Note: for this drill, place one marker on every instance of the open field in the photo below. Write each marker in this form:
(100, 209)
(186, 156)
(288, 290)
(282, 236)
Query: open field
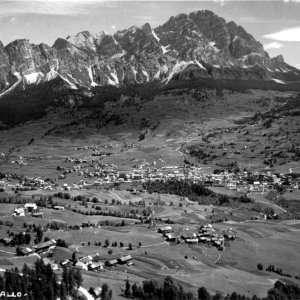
(237, 264)
(172, 135)
(160, 137)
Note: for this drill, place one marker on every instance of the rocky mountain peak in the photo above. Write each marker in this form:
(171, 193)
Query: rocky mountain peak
(278, 59)
(61, 43)
(147, 28)
(199, 44)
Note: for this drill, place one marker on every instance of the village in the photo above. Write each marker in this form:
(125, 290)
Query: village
(107, 175)
(206, 234)
(95, 262)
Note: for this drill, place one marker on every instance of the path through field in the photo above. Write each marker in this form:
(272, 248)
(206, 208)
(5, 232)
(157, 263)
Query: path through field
(7, 252)
(162, 243)
(271, 205)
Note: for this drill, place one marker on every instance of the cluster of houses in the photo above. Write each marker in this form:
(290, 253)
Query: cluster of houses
(248, 181)
(29, 208)
(100, 173)
(88, 262)
(38, 249)
(206, 234)
(93, 263)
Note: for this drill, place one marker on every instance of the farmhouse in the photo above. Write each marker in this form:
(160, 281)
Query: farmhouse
(57, 207)
(26, 251)
(80, 265)
(42, 247)
(167, 229)
(37, 213)
(125, 259)
(30, 207)
(111, 263)
(7, 241)
(86, 259)
(65, 262)
(192, 241)
(96, 266)
(19, 212)
(170, 237)
(186, 236)
(98, 291)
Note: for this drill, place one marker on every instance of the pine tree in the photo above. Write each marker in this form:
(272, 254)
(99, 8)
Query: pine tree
(63, 291)
(78, 278)
(127, 292)
(71, 280)
(74, 257)
(106, 293)
(39, 234)
(65, 280)
(203, 294)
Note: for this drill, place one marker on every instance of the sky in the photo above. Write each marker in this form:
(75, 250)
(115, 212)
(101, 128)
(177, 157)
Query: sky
(276, 24)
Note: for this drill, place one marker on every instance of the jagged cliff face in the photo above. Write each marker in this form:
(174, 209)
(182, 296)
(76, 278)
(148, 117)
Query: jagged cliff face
(200, 44)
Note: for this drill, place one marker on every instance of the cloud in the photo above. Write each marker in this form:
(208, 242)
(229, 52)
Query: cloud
(273, 45)
(10, 8)
(287, 1)
(113, 27)
(221, 2)
(143, 18)
(297, 66)
(287, 35)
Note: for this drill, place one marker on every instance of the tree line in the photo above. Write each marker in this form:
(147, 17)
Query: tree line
(41, 283)
(194, 191)
(170, 289)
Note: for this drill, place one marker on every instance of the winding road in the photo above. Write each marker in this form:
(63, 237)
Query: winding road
(183, 144)
(265, 202)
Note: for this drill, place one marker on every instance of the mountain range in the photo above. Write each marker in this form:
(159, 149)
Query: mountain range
(187, 46)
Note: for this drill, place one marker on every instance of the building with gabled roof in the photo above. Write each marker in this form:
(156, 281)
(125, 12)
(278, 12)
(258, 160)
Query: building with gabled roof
(44, 246)
(166, 229)
(125, 259)
(26, 251)
(96, 266)
(111, 262)
(80, 265)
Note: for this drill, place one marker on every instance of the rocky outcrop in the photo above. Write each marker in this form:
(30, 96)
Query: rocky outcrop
(4, 68)
(187, 46)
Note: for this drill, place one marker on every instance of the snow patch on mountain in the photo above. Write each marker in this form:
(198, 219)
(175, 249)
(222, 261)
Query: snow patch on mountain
(71, 85)
(115, 77)
(199, 65)
(33, 78)
(155, 35)
(157, 75)
(146, 74)
(51, 75)
(164, 49)
(179, 66)
(17, 74)
(90, 71)
(278, 81)
(134, 71)
(212, 45)
(109, 81)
